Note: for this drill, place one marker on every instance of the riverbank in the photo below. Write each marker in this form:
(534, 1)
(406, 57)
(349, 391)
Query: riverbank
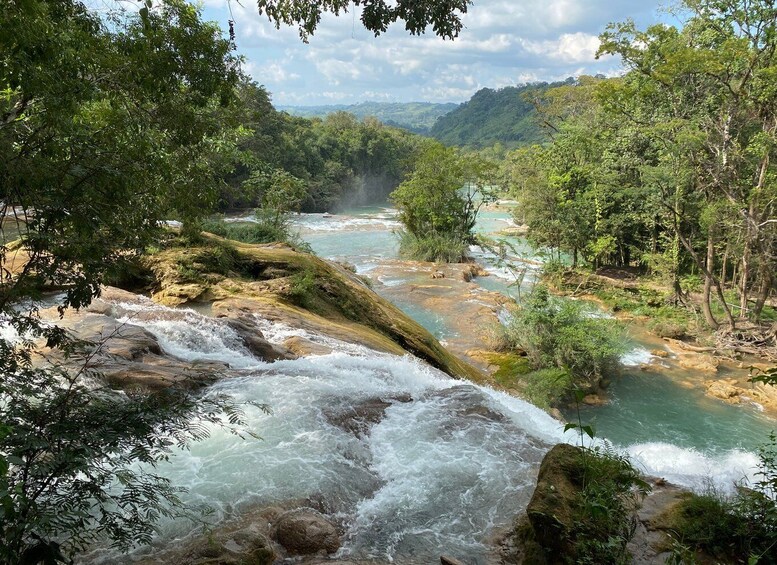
(722, 366)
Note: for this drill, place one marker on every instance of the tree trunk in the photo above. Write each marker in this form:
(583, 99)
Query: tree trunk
(744, 274)
(767, 282)
(706, 306)
(707, 274)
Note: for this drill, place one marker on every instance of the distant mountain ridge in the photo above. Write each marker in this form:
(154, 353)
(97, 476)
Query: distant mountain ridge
(491, 116)
(418, 117)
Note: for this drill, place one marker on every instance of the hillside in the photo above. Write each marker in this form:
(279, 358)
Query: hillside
(417, 117)
(504, 115)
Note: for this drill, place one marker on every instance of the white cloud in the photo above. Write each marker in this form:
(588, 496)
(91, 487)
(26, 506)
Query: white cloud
(569, 47)
(504, 42)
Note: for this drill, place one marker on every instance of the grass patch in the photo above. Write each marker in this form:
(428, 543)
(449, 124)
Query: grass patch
(433, 248)
(256, 232)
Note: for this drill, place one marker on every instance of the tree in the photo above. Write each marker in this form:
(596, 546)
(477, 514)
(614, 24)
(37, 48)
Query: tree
(439, 201)
(443, 15)
(708, 93)
(107, 127)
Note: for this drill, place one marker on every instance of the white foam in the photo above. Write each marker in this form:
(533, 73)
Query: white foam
(331, 222)
(189, 336)
(693, 469)
(637, 357)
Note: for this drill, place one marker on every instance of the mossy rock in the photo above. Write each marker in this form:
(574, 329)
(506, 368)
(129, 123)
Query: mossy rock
(553, 505)
(278, 282)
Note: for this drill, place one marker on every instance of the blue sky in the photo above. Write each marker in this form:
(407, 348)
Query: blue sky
(504, 42)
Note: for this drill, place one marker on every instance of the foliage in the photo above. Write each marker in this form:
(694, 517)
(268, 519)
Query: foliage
(301, 285)
(505, 116)
(438, 248)
(742, 529)
(78, 458)
(439, 201)
(444, 16)
(109, 126)
(415, 117)
(670, 168)
(604, 522)
(88, 141)
(560, 334)
(544, 387)
(340, 160)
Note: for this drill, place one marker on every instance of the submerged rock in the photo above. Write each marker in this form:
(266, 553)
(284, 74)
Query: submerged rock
(360, 417)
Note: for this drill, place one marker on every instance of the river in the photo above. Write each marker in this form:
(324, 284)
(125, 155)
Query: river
(449, 464)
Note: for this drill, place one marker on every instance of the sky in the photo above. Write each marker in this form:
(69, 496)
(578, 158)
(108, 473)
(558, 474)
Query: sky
(503, 43)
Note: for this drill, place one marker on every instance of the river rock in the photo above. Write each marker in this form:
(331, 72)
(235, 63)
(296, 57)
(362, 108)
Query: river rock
(724, 390)
(698, 362)
(254, 340)
(305, 531)
(552, 506)
(594, 400)
(234, 548)
(360, 417)
(305, 347)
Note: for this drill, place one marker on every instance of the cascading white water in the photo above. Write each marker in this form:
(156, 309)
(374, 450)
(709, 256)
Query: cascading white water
(446, 465)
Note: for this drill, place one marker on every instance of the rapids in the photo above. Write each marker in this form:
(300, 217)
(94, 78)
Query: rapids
(446, 465)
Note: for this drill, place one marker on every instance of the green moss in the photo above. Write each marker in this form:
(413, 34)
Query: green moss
(304, 286)
(510, 367)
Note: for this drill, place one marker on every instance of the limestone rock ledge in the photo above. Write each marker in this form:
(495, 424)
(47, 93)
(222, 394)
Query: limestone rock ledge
(280, 284)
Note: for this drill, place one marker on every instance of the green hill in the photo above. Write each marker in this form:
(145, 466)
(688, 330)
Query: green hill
(504, 115)
(418, 117)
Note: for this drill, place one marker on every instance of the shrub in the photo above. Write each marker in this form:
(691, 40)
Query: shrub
(562, 334)
(604, 521)
(262, 230)
(741, 528)
(545, 386)
(433, 248)
(301, 286)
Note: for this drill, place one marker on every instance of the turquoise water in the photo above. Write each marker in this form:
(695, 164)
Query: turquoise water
(361, 248)
(645, 407)
(650, 407)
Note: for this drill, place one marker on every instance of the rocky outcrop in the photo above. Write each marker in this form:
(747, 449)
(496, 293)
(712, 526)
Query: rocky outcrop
(551, 511)
(281, 284)
(127, 356)
(305, 531)
(304, 347)
(689, 357)
(732, 391)
(546, 533)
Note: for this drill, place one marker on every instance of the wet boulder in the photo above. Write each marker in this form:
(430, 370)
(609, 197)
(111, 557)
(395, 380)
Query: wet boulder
(305, 532)
(552, 507)
(254, 340)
